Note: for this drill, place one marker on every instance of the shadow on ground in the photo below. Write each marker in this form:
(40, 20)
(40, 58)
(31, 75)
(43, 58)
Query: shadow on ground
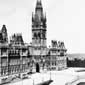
(46, 82)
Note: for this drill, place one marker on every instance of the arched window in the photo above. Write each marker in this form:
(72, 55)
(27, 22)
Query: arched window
(35, 35)
(43, 34)
(39, 36)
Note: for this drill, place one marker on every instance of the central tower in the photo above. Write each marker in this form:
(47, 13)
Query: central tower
(39, 30)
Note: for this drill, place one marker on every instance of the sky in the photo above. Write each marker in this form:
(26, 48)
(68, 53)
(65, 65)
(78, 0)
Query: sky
(65, 21)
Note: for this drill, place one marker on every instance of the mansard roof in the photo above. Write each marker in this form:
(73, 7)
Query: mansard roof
(57, 45)
(17, 39)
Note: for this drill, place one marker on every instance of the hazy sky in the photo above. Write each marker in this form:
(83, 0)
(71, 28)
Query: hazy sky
(65, 20)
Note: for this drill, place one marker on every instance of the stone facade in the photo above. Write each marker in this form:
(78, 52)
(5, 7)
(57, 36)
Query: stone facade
(16, 57)
(54, 57)
(39, 45)
(57, 56)
(3, 51)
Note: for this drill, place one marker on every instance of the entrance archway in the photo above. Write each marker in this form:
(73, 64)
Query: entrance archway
(37, 67)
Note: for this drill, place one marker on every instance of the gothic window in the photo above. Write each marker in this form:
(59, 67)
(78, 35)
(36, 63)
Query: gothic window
(62, 54)
(44, 23)
(58, 50)
(39, 35)
(43, 34)
(55, 63)
(39, 41)
(35, 35)
(52, 63)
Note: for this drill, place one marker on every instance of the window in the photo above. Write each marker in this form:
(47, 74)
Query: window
(35, 35)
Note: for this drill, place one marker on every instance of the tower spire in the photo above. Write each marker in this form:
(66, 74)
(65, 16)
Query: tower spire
(39, 30)
(39, 5)
(38, 18)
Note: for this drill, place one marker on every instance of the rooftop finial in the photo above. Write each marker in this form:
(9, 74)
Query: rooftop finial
(4, 28)
(39, 4)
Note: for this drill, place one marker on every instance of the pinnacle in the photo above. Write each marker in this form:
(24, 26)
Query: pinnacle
(39, 3)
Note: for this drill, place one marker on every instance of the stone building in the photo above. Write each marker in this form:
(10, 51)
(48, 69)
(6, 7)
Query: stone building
(14, 55)
(43, 57)
(39, 40)
(3, 51)
(17, 57)
(57, 56)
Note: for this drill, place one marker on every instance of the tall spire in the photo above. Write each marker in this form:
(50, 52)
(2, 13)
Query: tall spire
(39, 26)
(39, 18)
(39, 5)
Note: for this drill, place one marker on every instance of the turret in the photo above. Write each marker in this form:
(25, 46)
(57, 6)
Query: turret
(4, 34)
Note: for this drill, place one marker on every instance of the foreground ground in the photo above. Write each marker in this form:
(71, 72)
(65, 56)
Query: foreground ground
(70, 76)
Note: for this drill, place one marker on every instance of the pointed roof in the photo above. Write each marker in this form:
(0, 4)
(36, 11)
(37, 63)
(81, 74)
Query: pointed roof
(4, 28)
(38, 4)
